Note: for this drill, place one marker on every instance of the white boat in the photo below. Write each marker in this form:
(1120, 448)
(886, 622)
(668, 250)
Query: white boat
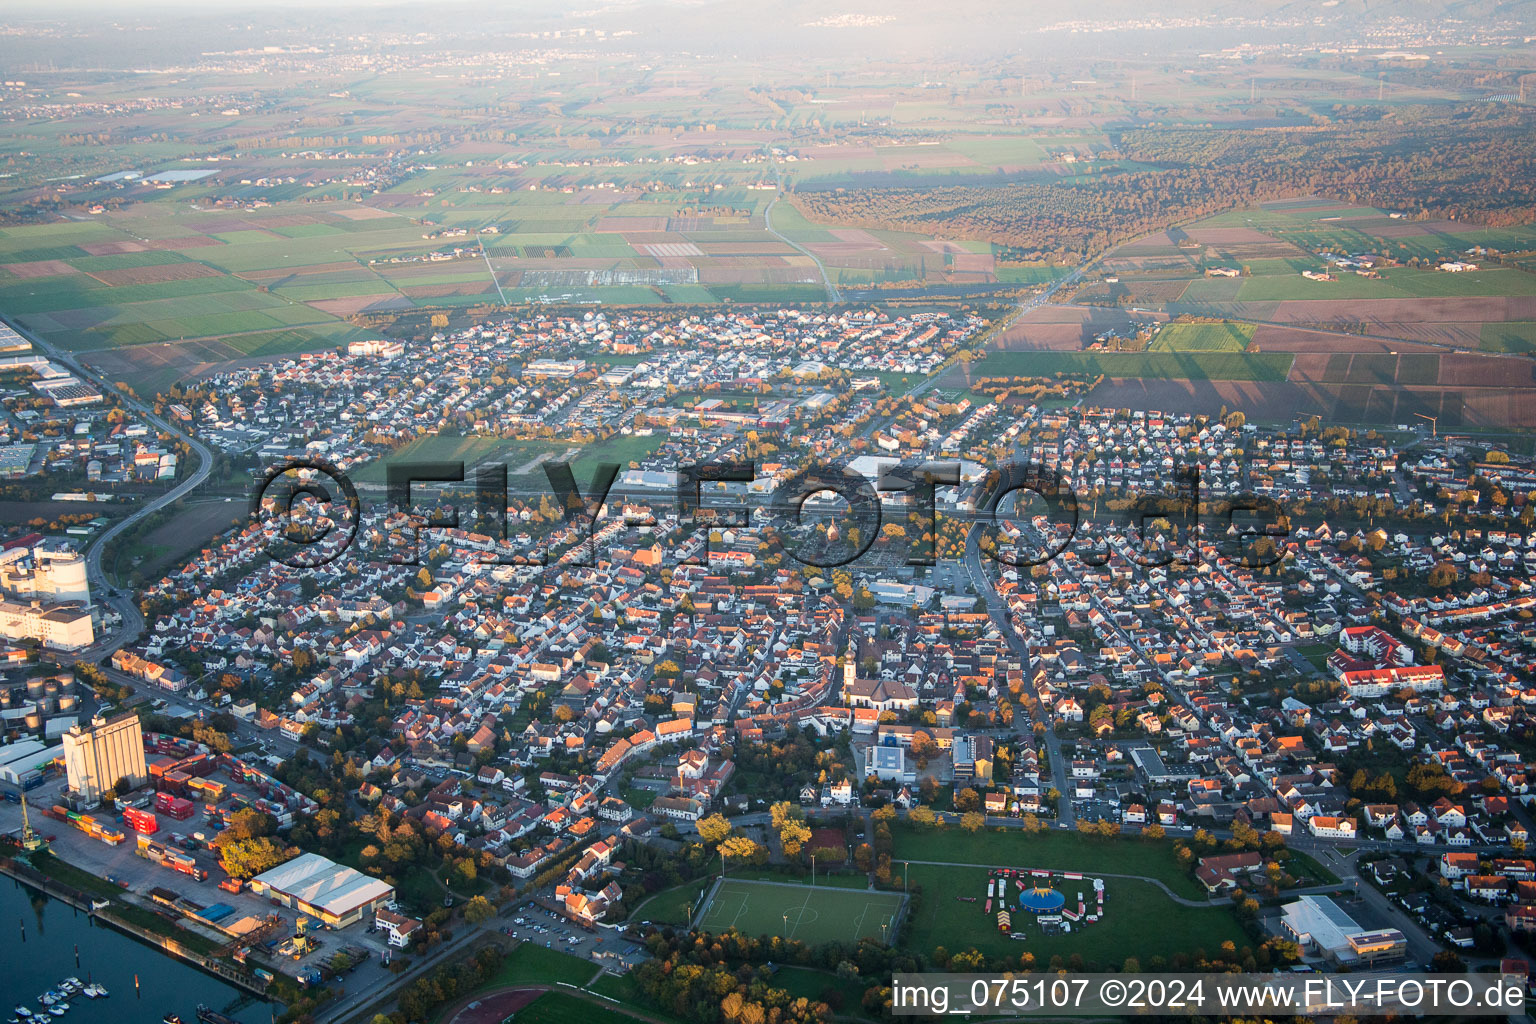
(22, 1011)
(96, 991)
(58, 1011)
(72, 981)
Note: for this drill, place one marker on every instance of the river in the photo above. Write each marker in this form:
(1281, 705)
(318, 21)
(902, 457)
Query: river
(38, 939)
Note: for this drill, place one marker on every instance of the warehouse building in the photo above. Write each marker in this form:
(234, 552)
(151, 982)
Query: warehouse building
(22, 763)
(1322, 928)
(325, 890)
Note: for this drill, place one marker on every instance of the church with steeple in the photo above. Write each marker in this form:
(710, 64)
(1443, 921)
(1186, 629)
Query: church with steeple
(879, 693)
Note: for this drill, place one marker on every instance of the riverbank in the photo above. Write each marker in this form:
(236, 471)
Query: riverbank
(55, 939)
(81, 902)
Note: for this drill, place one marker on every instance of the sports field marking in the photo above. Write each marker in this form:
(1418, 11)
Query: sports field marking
(823, 914)
(800, 913)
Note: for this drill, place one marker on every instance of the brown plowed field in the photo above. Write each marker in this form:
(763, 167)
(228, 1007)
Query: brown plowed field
(1455, 309)
(40, 268)
(357, 303)
(154, 274)
(189, 242)
(1486, 371)
(1299, 339)
(113, 248)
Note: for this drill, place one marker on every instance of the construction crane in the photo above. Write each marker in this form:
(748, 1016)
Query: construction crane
(31, 841)
(1434, 424)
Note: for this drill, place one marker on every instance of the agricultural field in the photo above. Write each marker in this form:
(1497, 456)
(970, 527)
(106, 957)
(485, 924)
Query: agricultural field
(1197, 365)
(209, 286)
(1384, 347)
(1516, 338)
(1222, 337)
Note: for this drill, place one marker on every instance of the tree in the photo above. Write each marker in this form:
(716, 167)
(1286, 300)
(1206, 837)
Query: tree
(246, 858)
(248, 823)
(972, 821)
(1153, 831)
(793, 835)
(479, 910)
(923, 817)
(1446, 962)
(967, 799)
(781, 811)
(739, 848)
(714, 829)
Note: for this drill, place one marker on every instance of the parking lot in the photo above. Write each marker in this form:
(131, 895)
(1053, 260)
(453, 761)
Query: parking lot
(544, 927)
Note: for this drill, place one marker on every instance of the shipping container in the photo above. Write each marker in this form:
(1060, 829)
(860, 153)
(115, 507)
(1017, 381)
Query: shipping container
(174, 806)
(141, 821)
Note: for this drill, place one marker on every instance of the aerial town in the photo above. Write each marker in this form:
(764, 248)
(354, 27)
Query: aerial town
(550, 701)
(768, 516)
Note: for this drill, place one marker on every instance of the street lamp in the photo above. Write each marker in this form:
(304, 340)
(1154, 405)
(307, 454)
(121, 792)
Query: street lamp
(786, 926)
(905, 866)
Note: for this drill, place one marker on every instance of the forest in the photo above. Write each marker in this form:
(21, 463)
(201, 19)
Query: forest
(1472, 162)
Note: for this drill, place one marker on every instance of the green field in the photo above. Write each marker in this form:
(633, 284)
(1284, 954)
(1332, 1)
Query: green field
(809, 914)
(1062, 850)
(1222, 337)
(1157, 365)
(1394, 283)
(670, 906)
(1139, 920)
(1516, 338)
(530, 964)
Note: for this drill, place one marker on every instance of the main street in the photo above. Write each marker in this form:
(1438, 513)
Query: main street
(998, 611)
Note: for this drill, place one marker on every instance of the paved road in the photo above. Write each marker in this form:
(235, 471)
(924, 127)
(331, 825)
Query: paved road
(132, 622)
(833, 295)
(1065, 812)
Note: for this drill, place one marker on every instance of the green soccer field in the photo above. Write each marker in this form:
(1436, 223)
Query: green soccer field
(810, 914)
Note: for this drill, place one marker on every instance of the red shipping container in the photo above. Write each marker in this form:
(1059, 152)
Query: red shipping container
(141, 821)
(174, 806)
